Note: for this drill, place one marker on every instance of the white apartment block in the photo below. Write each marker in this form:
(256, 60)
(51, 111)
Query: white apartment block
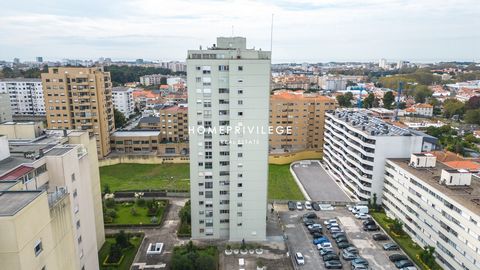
(228, 86)
(438, 206)
(52, 187)
(123, 100)
(152, 79)
(26, 95)
(357, 144)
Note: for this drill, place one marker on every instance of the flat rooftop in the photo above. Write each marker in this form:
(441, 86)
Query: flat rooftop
(136, 133)
(11, 202)
(362, 120)
(6, 185)
(468, 197)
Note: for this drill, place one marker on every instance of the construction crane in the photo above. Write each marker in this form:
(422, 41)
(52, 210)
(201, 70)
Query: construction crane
(399, 93)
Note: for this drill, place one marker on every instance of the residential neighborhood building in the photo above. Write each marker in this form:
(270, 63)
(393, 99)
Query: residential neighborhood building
(5, 108)
(51, 215)
(228, 86)
(304, 114)
(438, 206)
(26, 95)
(420, 109)
(152, 79)
(81, 99)
(357, 145)
(123, 100)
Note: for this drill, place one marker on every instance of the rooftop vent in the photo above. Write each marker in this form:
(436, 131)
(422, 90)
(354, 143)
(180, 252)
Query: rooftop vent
(456, 177)
(423, 160)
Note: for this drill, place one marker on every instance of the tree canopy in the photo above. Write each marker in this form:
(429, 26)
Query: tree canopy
(388, 100)
(345, 100)
(119, 117)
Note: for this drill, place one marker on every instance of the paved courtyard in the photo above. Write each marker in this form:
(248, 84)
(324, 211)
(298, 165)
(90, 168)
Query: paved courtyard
(318, 184)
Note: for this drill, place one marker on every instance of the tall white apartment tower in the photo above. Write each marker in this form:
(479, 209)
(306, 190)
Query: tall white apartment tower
(228, 87)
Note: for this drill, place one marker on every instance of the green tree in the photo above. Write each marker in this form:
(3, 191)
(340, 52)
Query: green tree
(115, 253)
(473, 116)
(121, 239)
(397, 226)
(421, 93)
(204, 262)
(473, 103)
(388, 99)
(368, 101)
(345, 100)
(119, 117)
(427, 256)
(106, 189)
(453, 107)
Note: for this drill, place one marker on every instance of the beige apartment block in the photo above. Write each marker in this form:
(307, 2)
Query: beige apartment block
(80, 99)
(52, 182)
(305, 114)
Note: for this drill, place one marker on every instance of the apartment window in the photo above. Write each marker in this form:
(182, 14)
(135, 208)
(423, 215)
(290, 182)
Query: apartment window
(240, 175)
(208, 165)
(240, 185)
(200, 164)
(198, 79)
(208, 184)
(79, 240)
(223, 68)
(239, 195)
(78, 224)
(240, 113)
(223, 192)
(240, 68)
(75, 193)
(239, 204)
(198, 68)
(208, 155)
(38, 247)
(208, 145)
(73, 177)
(239, 214)
(240, 102)
(240, 155)
(239, 224)
(208, 194)
(223, 90)
(240, 92)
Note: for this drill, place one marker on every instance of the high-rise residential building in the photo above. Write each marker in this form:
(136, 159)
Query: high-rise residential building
(382, 63)
(439, 206)
(39, 59)
(26, 95)
(5, 108)
(123, 100)
(81, 99)
(305, 114)
(357, 145)
(51, 215)
(228, 87)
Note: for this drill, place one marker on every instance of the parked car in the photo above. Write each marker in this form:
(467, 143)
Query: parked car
(335, 230)
(371, 228)
(330, 225)
(317, 234)
(343, 245)
(390, 246)
(326, 251)
(291, 205)
(308, 205)
(360, 209)
(310, 215)
(330, 257)
(315, 206)
(348, 256)
(320, 240)
(397, 257)
(308, 221)
(359, 261)
(403, 264)
(409, 268)
(369, 222)
(379, 237)
(360, 267)
(339, 234)
(314, 226)
(335, 264)
(362, 216)
(299, 258)
(341, 239)
(326, 222)
(352, 249)
(299, 206)
(326, 245)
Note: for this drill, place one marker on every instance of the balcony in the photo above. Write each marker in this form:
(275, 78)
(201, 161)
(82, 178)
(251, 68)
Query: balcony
(57, 195)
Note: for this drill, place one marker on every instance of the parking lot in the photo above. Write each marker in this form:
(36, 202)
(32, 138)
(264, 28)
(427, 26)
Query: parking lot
(318, 184)
(300, 240)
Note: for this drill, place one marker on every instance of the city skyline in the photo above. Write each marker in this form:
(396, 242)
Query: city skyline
(305, 31)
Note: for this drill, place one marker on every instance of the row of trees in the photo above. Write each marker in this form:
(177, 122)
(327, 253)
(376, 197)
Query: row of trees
(469, 111)
(370, 101)
(191, 257)
(28, 73)
(124, 74)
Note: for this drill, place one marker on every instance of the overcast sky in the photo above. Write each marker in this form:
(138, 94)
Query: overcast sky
(311, 31)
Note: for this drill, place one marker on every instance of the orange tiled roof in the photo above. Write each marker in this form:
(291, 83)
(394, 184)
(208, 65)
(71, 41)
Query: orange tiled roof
(298, 95)
(463, 164)
(423, 105)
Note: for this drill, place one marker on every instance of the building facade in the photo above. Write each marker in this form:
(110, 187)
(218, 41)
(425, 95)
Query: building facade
(123, 100)
(228, 86)
(356, 146)
(305, 114)
(5, 108)
(52, 182)
(26, 95)
(439, 207)
(81, 99)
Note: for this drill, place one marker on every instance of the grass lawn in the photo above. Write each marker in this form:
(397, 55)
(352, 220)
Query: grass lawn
(129, 254)
(281, 185)
(405, 242)
(123, 177)
(124, 213)
(129, 176)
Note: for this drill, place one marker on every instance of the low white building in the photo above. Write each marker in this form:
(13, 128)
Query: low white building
(420, 109)
(439, 207)
(123, 100)
(356, 146)
(26, 95)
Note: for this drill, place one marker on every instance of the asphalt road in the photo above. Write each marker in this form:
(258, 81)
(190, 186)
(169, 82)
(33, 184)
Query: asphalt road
(318, 184)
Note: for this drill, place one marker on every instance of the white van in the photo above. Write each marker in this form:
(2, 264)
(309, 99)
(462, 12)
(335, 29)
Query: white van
(360, 209)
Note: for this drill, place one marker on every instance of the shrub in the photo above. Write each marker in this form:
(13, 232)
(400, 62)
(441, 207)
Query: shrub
(115, 253)
(109, 203)
(111, 213)
(140, 202)
(154, 220)
(121, 239)
(133, 211)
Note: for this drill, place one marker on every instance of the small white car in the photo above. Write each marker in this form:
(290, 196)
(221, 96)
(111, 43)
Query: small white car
(314, 226)
(299, 206)
(326, 222)
(324, 245)
(362, 216)
(308, 205)
(299, 258)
